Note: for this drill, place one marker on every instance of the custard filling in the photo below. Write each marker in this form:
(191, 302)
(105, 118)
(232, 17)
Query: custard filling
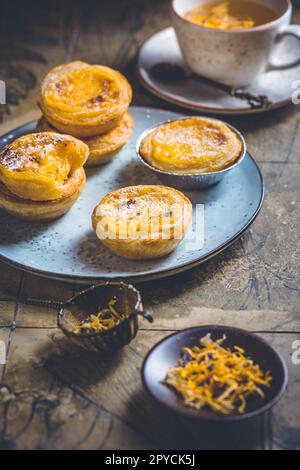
(85, 91)
(195, 145)
(40, 166)
(143, 213)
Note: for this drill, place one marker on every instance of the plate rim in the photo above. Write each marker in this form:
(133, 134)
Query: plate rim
(143, 277)
(192, 414)
(187, 105)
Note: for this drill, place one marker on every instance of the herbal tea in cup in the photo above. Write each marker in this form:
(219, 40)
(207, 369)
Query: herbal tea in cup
(232, 14)
(231, 41)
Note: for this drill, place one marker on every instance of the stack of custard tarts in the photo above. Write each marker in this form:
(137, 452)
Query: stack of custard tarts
(89, 102)
(85, 122)
(41, 175)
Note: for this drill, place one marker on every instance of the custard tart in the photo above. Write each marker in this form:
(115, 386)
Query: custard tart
(142, 222)
(104, 146)
(191, 145)
(84, 100)
(41, 175)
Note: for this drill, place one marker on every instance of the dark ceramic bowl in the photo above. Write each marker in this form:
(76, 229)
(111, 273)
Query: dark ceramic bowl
(93, 299)
(166, 353)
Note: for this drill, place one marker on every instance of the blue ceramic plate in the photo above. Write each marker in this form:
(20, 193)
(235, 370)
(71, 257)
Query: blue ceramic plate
(68, 249)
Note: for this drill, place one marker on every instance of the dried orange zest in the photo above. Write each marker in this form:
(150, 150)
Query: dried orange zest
(214, 377)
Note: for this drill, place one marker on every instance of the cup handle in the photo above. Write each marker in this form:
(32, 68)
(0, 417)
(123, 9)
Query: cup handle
(290, 30)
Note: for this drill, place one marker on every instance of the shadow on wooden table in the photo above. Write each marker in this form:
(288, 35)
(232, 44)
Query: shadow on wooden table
(111, 385)
(189, 435)
(113, 382)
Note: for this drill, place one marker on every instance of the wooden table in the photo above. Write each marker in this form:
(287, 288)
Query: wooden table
(53, 396)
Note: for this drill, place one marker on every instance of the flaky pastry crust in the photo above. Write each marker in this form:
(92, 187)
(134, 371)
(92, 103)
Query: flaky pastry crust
(41, 175)
(42, 211)
(40, 166)
(84, 100)
(142, 222)
(104, 146)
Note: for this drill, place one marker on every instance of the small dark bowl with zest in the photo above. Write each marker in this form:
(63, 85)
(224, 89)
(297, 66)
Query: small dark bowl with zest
(166, 353)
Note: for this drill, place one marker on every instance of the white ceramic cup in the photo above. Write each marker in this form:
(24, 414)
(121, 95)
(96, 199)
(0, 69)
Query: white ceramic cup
(232, 57)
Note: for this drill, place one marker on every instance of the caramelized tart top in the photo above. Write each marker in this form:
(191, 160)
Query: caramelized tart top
(193, 145)
(142, 212)
(83, 94)
(40, 166)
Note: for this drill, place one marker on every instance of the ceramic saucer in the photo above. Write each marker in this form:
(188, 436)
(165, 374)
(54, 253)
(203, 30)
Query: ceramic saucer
(161, 70)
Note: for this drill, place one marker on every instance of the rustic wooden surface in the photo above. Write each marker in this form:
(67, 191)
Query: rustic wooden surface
(53, 396)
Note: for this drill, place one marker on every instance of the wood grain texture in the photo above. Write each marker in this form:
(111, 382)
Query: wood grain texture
(52, 396)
